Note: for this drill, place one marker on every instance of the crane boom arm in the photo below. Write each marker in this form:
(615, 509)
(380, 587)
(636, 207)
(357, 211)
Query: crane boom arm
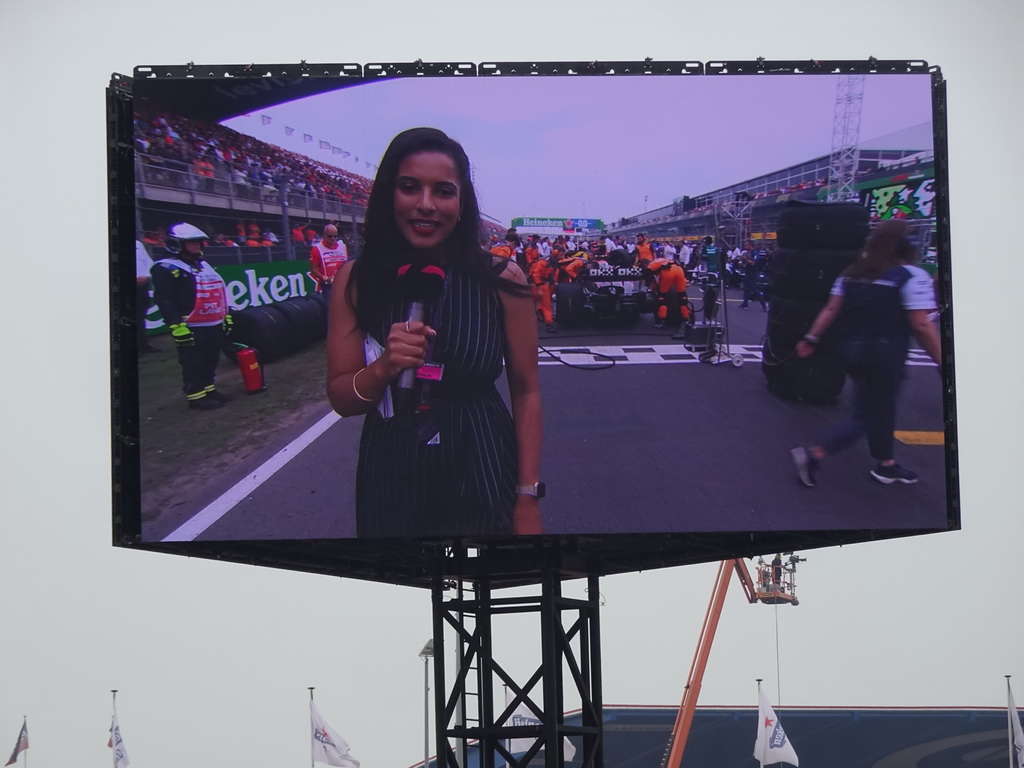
(744, 576)
(688, 706)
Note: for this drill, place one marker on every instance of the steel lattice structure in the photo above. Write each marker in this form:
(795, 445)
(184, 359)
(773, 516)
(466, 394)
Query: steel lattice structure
(845, 138)
(470, 730)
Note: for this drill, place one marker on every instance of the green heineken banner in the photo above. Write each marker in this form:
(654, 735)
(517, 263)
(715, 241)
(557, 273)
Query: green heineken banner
(253, 285)
(566, 225)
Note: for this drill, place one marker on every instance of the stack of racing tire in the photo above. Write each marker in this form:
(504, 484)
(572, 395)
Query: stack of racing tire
(279, 329)
(816, 242)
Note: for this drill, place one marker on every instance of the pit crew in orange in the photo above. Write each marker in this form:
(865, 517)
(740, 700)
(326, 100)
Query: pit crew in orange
(644, 251)
(541, 275)
(667, 276)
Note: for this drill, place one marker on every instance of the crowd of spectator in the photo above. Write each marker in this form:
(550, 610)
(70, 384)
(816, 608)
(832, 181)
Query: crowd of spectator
(249, 234)
(210, 152)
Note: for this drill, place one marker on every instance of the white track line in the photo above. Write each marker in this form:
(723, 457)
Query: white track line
(214, 511)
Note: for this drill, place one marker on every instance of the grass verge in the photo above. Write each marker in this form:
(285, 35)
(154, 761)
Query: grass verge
(183, 450)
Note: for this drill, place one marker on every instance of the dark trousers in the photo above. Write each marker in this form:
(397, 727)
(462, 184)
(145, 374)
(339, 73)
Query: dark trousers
(751, 290)
(199, 362)
(877, 368)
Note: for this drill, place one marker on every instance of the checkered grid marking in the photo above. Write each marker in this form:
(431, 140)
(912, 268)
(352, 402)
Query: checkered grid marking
(665, 353)
(638, 355)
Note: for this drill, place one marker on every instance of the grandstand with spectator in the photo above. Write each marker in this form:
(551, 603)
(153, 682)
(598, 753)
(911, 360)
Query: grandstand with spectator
(227, 177)
(895, 178)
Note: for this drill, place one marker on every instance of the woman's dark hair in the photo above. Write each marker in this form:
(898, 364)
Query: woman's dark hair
(385, 249)
(888, 246)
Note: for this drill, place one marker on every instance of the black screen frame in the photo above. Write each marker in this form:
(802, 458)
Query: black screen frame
(513, 561)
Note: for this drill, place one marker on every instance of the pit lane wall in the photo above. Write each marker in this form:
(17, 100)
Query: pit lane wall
(251, 285)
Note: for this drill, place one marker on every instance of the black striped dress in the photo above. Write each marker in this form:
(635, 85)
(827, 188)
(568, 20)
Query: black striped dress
(465, 483)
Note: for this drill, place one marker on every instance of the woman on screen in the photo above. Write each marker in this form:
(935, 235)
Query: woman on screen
(876, 305)
(417, 335)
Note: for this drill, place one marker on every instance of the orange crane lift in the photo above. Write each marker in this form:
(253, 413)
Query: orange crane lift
(775, 584)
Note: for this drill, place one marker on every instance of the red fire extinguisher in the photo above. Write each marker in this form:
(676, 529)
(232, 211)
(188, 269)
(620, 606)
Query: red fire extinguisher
(251, 370)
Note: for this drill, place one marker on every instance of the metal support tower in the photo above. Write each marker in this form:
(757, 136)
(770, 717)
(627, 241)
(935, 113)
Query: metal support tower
(474, 728)
(845, 138)
(734, 222)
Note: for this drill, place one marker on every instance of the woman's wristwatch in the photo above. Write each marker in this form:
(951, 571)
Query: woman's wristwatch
(537, 490)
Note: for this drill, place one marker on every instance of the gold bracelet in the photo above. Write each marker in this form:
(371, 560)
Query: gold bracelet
(364, 399)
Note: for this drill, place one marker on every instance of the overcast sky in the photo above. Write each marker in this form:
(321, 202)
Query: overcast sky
(212, 659)
(593, 147)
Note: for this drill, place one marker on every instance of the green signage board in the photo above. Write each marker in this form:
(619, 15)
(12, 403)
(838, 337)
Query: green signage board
(566, 225)
(253, 285)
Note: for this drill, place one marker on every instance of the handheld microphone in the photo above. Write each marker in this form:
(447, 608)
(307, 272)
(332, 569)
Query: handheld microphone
(420, 285)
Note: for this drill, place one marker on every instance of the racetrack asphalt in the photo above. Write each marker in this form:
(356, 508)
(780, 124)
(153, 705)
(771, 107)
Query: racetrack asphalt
(651, 441)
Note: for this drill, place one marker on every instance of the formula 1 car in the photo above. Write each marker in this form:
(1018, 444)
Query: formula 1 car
(604, 294)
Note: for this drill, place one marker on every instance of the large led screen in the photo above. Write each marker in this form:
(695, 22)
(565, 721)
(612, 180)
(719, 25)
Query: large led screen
(693, 222)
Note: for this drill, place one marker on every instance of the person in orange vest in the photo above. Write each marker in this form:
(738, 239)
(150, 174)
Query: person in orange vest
(192, 299)
(668, 275)
(508, 250)
(541, 275)
(532, 251)
(204, 170)
(325, 258)
(644, 251)
(569, 265)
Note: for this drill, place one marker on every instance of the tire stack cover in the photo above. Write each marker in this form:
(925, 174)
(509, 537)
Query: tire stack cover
(265, 329)
(816, 242)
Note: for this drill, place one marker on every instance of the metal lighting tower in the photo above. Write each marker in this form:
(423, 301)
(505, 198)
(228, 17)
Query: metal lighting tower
(845, 138)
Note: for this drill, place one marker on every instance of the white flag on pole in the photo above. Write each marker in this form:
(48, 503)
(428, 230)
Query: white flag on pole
(116, 743)
(328, 746)
(771, 745)
(523, 715)
(1015, 730)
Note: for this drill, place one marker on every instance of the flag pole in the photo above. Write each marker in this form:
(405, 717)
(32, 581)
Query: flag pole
(24, 724)
(113, 706)
(760, 757)
(1009, 723)
(311, 741)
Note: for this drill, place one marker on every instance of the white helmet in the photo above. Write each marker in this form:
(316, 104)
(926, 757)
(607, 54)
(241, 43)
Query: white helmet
(181, 233)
